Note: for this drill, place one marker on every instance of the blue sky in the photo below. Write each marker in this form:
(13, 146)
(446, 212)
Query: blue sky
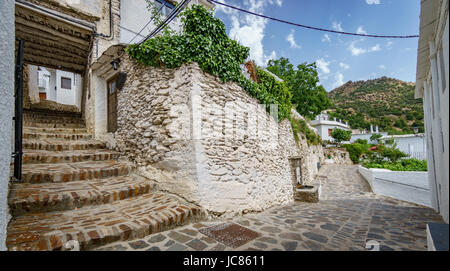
(340, 58)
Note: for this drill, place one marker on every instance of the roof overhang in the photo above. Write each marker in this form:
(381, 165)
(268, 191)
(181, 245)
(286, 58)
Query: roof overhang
(429, 19)
(52, 39)
(102, 66)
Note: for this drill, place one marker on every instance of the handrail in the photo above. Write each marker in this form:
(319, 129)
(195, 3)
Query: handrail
(18, 116)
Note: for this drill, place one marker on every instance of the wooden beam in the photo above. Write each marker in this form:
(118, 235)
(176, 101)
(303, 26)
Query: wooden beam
(40, 41)
(53, 63)
(41, 29)
(50, 49)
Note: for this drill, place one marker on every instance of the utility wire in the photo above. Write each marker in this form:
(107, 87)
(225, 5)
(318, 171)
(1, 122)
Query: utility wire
(138, 34)
(312, 27)
(168, 20)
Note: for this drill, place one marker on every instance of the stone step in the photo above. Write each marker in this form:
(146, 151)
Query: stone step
(71, 136)
(53, 125)
(61, 145)
(27, 129)
(40, 156)
(71, 172)
(53, 119)
(49, 197)
(95, 226)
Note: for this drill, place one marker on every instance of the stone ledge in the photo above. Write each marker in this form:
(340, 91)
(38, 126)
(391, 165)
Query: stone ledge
(309, 194)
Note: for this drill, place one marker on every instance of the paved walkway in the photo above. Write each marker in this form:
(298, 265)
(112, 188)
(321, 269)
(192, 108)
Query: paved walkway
(348, 217)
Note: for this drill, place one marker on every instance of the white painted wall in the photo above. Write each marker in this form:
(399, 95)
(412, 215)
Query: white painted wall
(366, 136)
(436, 109)
(407, 186)
(6, 108)
(99, 88)
(414, 145)
(134, 15)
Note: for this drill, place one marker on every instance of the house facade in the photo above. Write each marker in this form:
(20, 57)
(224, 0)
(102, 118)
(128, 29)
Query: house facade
(432, 84)
(413, 145)
(325, 126)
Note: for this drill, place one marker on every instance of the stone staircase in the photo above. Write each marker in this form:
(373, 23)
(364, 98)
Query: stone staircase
(74, 188)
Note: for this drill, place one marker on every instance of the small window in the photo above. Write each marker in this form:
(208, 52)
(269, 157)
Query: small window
(330, 131)
(66, 83)
(164, 7)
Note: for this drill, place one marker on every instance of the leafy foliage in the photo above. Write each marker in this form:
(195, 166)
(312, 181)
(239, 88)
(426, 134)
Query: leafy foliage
(309, 98)
(300, 126)
(386, 102)
(205, 42)
(340, 135)
(375, 137)
(403, 165)
(356, 150)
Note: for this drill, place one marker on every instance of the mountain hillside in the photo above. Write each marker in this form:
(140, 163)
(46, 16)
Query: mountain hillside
(386, 102)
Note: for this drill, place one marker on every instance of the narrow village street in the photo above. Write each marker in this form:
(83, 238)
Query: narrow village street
(348, 217)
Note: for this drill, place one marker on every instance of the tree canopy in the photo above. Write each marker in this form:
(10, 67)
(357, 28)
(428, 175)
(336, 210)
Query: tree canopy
(308, 97)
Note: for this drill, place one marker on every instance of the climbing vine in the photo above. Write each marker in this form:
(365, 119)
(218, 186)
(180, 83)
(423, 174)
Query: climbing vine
(205, 42)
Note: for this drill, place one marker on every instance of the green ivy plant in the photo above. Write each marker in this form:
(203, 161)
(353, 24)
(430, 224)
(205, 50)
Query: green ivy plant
(204, 41)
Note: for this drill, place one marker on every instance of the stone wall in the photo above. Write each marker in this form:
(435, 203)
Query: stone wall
(207, 141)
(339, 156)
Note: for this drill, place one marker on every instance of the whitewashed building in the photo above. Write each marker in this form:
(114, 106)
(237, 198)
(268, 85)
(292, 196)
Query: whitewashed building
(325, 126)
(55, 85)
(432, 84)
(365, 135)
(413, 145)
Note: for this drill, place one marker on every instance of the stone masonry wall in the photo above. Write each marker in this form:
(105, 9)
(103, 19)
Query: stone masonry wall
(207, 141)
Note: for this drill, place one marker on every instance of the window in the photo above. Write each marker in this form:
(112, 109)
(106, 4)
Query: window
(164, 7)
(66, 83)
(330, 131)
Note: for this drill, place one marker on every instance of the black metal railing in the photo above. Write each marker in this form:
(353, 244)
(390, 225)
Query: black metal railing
(18, 117)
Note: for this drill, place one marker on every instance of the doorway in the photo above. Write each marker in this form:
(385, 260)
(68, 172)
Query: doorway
(112, 105)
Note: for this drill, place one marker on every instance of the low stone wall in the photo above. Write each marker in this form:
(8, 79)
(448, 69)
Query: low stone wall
(403, 185)
(338, 156)
(208, 141)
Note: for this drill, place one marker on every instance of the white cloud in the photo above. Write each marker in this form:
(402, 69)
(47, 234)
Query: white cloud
(323, 65)
(356, 51)
(290, 38)
(250, 30)
(326, 38)
(373, 2)
(337, 26)
(344, 66)
(225, 9)
(339, 77)
(360, 30)
(382, 67)
(277, 2)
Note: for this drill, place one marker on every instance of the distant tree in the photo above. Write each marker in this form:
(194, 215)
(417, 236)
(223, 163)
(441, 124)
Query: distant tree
(375, 137)
(308, 97)
(340, 135)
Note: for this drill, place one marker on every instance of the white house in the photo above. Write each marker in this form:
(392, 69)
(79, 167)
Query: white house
(325, 126)
(413, 145)
(432, 84)
(55, 85)
(364, 135)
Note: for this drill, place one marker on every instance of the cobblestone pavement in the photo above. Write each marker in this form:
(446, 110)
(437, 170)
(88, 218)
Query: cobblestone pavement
(348, 217)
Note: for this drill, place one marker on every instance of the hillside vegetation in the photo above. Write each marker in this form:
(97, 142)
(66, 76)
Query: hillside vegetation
(386, 102)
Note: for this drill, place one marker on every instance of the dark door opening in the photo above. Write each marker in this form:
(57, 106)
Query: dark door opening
(112, 106)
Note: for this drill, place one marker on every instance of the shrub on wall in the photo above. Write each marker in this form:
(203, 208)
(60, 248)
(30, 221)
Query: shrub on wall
(205, 42)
